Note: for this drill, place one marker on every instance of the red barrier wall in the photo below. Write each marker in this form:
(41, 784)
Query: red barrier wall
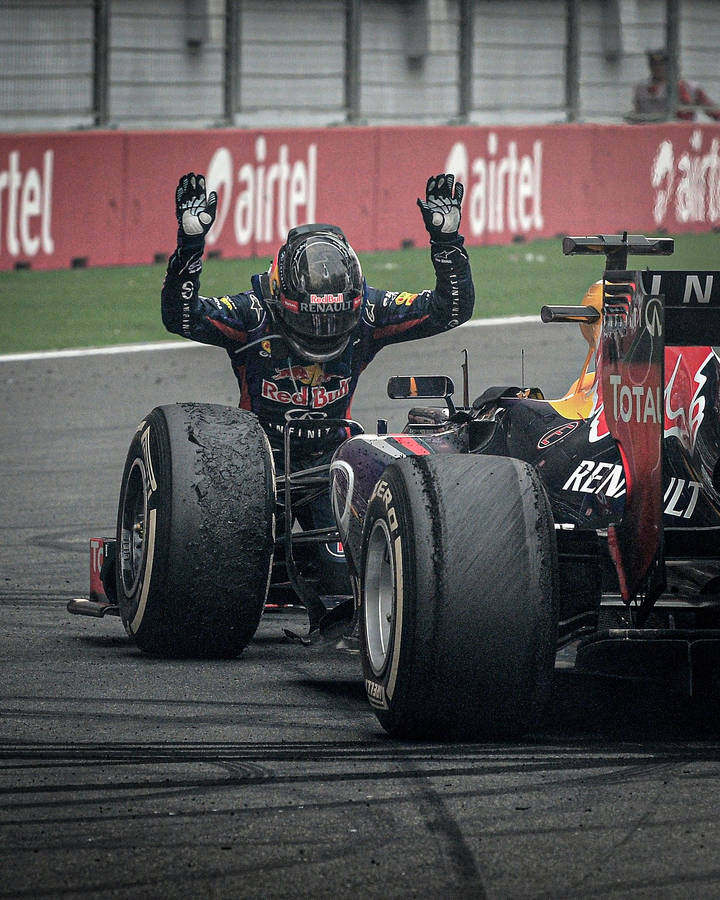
(108, 197)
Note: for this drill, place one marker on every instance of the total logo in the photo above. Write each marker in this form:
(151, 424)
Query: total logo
(638, 403)
(684, 402)
(608, 480)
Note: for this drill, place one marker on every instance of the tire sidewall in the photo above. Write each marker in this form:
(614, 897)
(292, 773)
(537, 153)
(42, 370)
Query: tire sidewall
(147, 458)
(469, 654)
(206, 474)
(388, 503)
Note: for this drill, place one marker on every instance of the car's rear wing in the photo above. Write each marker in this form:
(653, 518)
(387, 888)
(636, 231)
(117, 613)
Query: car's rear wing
(642, 312)
(617, 247)
(691, 299)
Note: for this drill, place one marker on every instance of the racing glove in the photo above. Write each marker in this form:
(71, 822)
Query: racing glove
(194, 210)
(441, 209)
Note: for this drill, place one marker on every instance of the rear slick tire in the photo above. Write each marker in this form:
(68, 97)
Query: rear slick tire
(195, 531)
(458, 608)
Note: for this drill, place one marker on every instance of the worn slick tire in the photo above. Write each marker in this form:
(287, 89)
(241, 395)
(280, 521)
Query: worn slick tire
(458, 607)
(195, 530)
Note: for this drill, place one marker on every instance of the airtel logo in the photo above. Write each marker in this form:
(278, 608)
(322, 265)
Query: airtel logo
(26, 200)
(503, 186)
(687, 180)
(265, 196)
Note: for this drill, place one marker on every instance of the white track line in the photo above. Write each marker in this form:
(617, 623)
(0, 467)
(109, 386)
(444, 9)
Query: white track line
(182, 345)
(100, 351)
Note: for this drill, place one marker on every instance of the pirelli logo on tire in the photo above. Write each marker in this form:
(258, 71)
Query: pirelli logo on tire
(382, 492)
(376, 694)
(147, 456)
(380, 682)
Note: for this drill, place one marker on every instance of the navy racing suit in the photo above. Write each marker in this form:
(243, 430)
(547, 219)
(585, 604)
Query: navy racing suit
(273, 378)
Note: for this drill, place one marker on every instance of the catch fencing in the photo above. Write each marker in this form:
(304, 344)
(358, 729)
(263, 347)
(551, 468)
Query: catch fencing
(68, 64)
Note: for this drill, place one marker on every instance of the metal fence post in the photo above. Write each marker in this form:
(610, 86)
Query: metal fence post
(231, 74)
(101, 51)
(572, 60)
(352, 60)
(672, 45)
(466, 32)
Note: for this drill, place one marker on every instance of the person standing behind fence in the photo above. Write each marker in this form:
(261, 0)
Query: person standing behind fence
(650, 98)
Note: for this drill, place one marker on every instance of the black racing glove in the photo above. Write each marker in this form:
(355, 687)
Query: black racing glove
(194, 210)
(440, 209)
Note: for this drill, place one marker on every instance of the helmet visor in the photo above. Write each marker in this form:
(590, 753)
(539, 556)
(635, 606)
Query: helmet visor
(322, 315)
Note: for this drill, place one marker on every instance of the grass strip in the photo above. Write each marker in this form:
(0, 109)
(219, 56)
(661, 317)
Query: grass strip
(97, 307)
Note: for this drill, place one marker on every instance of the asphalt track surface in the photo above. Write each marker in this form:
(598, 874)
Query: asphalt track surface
(269, 776)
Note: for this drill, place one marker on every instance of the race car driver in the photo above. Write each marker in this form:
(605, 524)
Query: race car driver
(299, 339)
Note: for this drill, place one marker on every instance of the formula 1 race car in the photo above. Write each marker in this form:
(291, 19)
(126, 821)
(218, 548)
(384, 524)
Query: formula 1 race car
(481, 539)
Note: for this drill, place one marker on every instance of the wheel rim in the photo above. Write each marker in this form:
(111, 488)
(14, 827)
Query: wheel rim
(379, 596)
(132, 528)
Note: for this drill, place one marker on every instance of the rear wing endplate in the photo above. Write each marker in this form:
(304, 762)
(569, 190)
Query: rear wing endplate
(644, 311)
(632, 378)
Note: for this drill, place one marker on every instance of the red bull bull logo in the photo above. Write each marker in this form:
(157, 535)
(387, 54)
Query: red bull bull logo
(312, 374)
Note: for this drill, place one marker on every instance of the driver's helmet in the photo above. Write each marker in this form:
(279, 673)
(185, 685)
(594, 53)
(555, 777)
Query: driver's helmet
(316, 291)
